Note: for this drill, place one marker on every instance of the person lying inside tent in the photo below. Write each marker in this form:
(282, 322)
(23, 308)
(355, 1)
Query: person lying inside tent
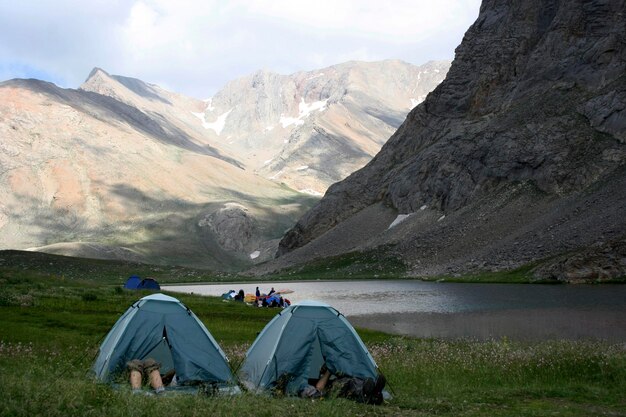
(151, 369)
(317, 391)
(363, 390)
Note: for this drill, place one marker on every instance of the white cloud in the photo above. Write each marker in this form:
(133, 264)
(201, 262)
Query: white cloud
(398, 21)
(196, 46)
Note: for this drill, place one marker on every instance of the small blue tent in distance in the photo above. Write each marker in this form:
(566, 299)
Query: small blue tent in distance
(149, 284)
(161, 327)
(132, 282)
(136, 283)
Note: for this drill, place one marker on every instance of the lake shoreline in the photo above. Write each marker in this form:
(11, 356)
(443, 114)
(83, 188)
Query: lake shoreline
(459, 310)
(514, 324)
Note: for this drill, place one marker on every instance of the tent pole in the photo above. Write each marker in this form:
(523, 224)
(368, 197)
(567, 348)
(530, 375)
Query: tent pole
(393, 391)
(238, 366)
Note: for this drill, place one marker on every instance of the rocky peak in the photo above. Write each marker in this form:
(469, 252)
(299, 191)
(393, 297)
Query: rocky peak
(96, 72)
(536, 94)
(127, 89)
(99, 81)
(313, 128)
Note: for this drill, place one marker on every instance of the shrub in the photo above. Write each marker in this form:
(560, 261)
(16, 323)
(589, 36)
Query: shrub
(89, 297)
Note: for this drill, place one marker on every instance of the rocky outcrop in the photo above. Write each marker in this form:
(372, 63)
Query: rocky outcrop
(601, 262)
(535, 95)
(233, 226)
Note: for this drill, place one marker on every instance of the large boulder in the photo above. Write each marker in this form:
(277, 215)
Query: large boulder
(233, 226)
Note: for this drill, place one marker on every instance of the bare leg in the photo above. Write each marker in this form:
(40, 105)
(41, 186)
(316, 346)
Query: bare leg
(155, 380)
(135, 367)
(135, 379)
(152, 369)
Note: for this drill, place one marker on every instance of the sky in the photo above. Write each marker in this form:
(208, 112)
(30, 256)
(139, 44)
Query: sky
(195, 47)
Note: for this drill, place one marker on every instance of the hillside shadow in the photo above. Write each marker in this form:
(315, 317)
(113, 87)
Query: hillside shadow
(159, 230)
(140, 88)
(107, 109)
(326, 154)
(388, 116)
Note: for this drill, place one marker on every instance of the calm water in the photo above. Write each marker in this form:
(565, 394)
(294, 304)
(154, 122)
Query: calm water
(451, 310)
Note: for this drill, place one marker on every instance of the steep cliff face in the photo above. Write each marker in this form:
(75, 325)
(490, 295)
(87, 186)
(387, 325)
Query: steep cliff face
(536, 95)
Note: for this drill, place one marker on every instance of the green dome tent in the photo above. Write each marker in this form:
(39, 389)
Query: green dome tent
(163, 328)
(298, 341)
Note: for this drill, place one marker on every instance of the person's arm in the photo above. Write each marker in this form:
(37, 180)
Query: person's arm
(321, 384)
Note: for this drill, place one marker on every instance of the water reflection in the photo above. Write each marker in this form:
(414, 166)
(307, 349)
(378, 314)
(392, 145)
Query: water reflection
(428, 309)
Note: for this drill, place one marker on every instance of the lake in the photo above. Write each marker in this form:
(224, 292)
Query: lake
(460, 310)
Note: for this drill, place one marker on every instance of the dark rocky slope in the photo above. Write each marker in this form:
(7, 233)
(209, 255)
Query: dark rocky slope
(529, 127)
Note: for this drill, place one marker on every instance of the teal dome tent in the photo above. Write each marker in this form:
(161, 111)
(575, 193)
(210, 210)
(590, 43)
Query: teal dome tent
(298, 341)
(163, 328)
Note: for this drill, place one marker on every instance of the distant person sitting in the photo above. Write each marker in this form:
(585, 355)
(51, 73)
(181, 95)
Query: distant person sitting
(240, 296)
(271, 292)
(151, 369)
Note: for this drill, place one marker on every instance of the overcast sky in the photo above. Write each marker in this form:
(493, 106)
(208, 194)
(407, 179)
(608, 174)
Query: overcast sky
(196, 46)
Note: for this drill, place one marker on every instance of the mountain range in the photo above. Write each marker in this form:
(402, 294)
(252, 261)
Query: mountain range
(515, 161)
(124, 169)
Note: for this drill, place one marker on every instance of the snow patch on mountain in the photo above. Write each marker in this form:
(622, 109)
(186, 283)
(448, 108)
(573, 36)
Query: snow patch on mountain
(304, 110)
(311, 192)
(399, 219)
(321, 74)
(288, 121)
(218, 125)
(416, 101)
(209, 104)
(275, 176)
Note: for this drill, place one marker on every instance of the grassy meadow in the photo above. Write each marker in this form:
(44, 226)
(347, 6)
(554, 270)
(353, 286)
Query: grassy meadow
(51, 325)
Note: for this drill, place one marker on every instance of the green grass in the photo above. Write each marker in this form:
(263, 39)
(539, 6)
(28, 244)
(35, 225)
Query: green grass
(353, 265)
(522, 275)
(18, 264)
(51, 326)
(14, 265)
